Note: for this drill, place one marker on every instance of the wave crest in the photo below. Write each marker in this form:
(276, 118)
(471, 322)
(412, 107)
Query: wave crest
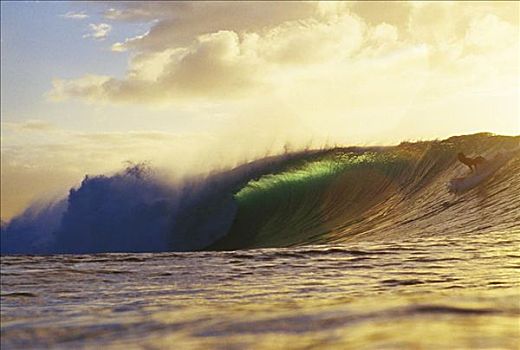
(310, 197)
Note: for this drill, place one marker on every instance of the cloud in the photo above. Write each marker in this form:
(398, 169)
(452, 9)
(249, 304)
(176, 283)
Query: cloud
(130, 137)
(226, 51)
(30, 125)
(216, 64)
(82, 152)
(132, 13)
(121, 47)
(490, 32)
(75, 15)
(311, 41)
(88, 87)
(178, 23)
(220, 65)
(395, 13)
(98, 31)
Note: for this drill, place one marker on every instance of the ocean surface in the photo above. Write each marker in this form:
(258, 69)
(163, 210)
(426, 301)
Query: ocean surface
(454, 292)
(348, 248)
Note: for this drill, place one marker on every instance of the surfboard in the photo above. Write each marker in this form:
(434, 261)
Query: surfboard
(462, 184)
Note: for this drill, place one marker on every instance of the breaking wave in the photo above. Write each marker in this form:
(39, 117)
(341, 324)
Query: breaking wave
(310, 197)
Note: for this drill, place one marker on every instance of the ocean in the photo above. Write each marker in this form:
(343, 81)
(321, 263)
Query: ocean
(344, 248)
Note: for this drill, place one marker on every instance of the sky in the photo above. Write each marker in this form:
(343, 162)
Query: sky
(196, 86)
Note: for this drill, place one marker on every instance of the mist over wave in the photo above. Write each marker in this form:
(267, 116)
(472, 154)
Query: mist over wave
(135, 211)
(324, 196)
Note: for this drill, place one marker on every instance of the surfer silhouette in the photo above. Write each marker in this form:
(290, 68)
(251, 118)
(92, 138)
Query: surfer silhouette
(472, 163)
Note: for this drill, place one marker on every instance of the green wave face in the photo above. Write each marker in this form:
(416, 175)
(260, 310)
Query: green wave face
(341, 195)
(314, 199)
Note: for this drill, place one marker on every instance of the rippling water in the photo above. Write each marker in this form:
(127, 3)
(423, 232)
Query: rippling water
(437, 292)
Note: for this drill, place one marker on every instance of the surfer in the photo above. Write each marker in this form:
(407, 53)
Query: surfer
(470, 162)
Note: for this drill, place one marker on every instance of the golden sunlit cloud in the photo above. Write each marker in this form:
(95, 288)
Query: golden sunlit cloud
(229, 56)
